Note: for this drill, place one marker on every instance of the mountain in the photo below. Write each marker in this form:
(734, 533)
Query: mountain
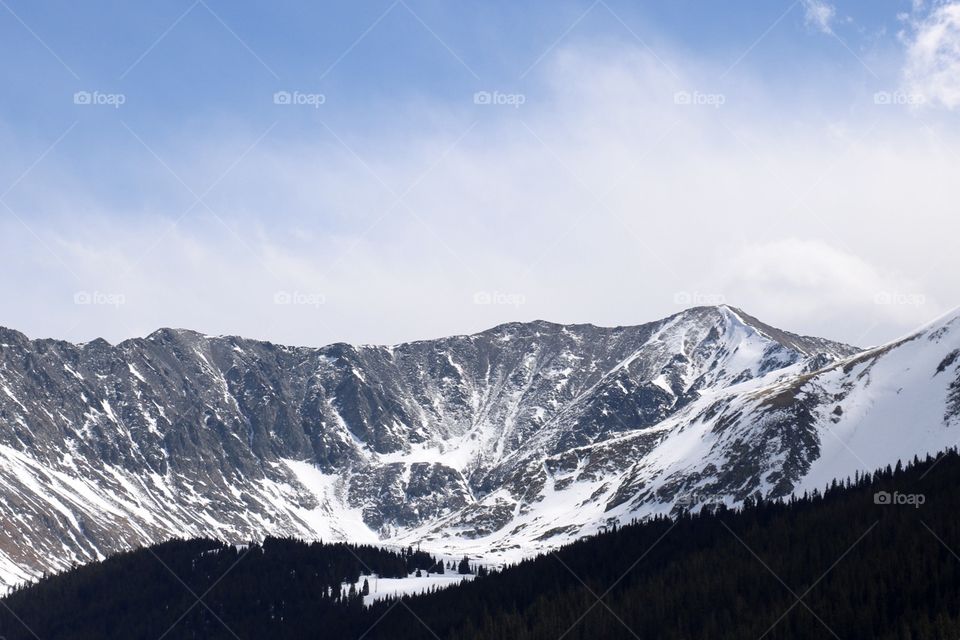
(850, 562)
(502, 443)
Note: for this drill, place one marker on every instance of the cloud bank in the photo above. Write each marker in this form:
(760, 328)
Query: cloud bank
(617, 192)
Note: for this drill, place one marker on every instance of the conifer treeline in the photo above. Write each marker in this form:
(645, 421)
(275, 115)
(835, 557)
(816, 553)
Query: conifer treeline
(869, 557)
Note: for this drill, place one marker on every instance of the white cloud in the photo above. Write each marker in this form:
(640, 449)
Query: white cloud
(820, 14)
(811, 281)
(933, 57)
(599, 201)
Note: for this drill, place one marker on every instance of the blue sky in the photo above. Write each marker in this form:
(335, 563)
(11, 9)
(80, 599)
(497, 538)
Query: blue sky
(792, 158)
(179, 61)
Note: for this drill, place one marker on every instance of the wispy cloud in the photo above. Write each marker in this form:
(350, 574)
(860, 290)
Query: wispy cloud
(933, 56)
(820, 15)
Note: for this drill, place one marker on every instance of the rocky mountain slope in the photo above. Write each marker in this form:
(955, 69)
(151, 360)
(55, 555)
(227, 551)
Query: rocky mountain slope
(501, 443)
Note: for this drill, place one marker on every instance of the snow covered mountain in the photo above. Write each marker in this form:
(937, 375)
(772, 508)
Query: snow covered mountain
(503, 443)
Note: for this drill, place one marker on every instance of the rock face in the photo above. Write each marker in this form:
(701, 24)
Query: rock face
(503, 443)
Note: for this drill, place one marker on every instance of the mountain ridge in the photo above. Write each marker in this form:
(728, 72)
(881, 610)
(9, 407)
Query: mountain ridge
(504, 442)
(747, 318)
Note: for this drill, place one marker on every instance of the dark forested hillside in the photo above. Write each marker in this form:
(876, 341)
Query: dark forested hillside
(874, 557)
(284, 584)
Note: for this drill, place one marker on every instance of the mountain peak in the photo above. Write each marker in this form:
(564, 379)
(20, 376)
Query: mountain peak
(807, 345)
